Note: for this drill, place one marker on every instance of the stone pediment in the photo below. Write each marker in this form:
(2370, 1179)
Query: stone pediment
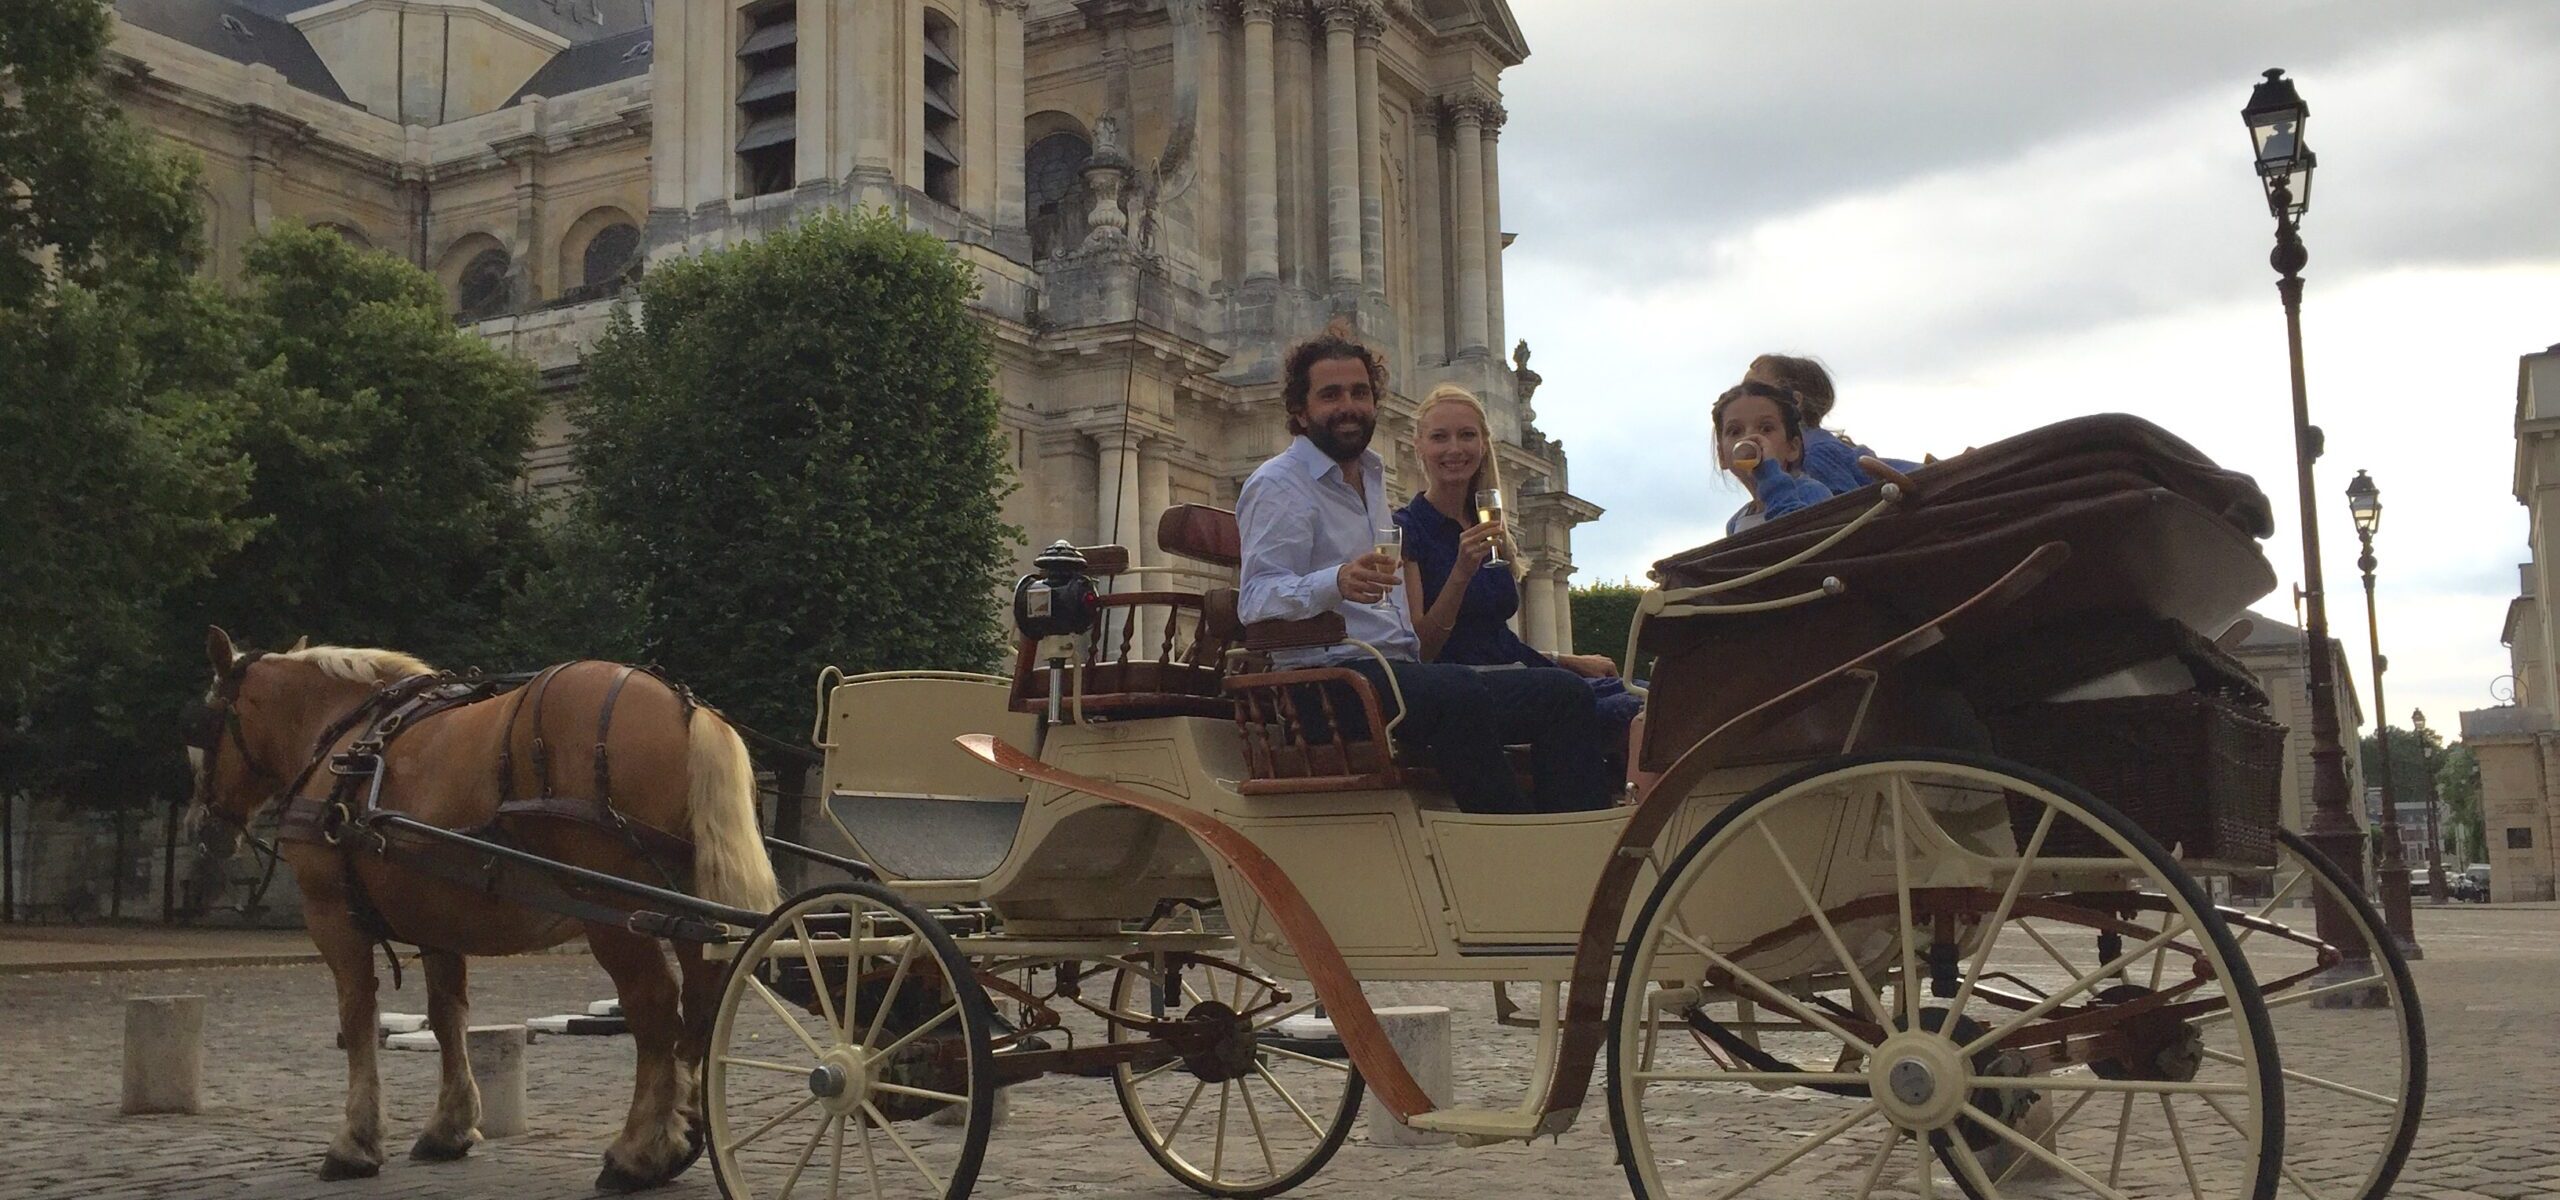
(1493, 17)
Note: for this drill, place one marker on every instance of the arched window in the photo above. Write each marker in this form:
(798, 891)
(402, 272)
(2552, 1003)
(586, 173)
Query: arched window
(483, 291)
(612, 258)
(1053, 178)
(941, 109)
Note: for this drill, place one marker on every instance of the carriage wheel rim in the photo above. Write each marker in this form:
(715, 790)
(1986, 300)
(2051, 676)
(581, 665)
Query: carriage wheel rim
(1244, 1165)
(840, 1061)
(2258, 1100)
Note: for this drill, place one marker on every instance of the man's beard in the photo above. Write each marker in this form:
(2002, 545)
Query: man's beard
(1340, 444)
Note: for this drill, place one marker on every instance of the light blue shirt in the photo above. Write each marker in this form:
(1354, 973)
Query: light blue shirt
(1301, 521)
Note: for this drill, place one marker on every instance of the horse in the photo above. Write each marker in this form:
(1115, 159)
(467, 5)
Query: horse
(664, 771)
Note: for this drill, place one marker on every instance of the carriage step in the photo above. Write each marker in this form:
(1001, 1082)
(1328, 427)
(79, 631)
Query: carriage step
(1479, 1126)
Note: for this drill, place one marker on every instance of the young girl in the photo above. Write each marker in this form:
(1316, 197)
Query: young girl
(1760, 437)
(1828, 457)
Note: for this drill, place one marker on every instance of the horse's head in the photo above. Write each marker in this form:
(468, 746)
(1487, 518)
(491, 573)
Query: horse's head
(232, 748)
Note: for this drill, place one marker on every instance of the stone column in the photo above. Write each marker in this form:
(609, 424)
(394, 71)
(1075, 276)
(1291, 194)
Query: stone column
(1155, 491)
(1373, 245)
(1564, 614)
(1009, 82)
(1342, 144)
(1494, 117)
(874, 63)
(1261, 147)
(1466, 119)
(1211, 183)
(810, 128)
(1426, 314)
(1538, 610)
(1115, 488)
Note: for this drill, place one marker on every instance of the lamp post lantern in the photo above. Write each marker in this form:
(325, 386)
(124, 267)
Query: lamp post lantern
(2435, 837)
(2391, 867)
(2276, 116)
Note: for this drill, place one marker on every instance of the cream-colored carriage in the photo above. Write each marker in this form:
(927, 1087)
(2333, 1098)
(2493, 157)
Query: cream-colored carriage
(1821, 962)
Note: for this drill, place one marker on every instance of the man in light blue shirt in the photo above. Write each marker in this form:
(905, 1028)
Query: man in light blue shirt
(1310, 520)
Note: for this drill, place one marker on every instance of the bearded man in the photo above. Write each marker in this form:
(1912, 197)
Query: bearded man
(1310, 520)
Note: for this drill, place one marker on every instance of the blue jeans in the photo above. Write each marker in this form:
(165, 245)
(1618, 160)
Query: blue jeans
(1461, 718)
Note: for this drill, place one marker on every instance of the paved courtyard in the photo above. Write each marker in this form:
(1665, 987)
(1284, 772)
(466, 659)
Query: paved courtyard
(2490, 983)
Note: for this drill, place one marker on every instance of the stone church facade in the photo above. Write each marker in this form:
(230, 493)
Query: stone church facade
(1158, 196)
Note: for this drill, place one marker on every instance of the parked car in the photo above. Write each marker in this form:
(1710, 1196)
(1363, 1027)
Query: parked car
(2472, 884)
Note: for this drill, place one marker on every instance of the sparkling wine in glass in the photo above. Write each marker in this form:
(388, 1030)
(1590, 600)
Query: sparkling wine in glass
(1488, 510)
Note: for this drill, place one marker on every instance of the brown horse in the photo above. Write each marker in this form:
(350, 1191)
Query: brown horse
(675, 770)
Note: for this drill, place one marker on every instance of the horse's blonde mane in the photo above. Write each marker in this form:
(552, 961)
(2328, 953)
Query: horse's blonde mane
(360, 664)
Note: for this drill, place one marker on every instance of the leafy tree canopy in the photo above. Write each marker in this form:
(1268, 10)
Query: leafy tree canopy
(1602, 613)
(790, 458)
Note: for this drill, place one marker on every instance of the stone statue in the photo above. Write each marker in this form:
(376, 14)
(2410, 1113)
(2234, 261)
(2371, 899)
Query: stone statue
(1105, 174)
(1526, 379)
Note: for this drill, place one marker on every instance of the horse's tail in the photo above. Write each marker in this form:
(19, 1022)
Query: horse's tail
(729, 863)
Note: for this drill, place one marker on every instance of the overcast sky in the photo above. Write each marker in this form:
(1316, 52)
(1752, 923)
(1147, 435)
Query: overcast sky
(1987, 216)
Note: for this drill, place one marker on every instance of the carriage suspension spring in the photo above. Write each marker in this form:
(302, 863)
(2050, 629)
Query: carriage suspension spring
(1942, 969)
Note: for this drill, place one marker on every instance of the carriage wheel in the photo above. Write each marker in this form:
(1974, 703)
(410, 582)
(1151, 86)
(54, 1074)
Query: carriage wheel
(850, 1056)
(1874, 977)
(1245, 1112)
(2347, 1022)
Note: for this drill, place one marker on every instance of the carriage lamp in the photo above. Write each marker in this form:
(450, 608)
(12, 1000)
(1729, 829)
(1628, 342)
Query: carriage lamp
(2364, 502)
(1055, 608)
(2276, 116)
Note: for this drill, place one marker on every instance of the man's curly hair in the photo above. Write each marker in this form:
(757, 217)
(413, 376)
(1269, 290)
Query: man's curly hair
(1338, 340)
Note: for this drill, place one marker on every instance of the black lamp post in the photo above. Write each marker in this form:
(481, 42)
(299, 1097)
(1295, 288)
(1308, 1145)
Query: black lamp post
(2435, 836)
(2364, 502)
(2276, 116)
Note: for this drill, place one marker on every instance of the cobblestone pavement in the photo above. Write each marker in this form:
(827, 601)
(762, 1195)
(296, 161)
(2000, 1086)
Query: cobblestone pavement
(2490, 983)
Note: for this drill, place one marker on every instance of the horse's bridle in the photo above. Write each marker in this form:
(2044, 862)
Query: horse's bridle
(219, 721)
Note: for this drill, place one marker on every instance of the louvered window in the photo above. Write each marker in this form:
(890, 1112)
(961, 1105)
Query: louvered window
(941, 110)
(768, 97)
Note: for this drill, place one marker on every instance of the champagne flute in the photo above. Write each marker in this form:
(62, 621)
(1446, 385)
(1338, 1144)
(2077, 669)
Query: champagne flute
(1390, 542)
(1489, 510)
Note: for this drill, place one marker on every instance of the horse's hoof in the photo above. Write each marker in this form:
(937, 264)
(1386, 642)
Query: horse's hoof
(694, 1140)
(334, 1168)
(431, 1148)
(614, 1179)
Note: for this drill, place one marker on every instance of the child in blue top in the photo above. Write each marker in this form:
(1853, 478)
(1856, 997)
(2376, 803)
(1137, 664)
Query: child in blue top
(1760, 438)
(1828, 457)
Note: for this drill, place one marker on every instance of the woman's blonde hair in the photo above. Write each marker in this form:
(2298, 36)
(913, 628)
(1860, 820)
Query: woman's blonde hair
(1488, 473)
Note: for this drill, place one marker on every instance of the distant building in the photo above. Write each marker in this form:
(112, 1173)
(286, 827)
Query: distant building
(2518, 744)
(2273, 652)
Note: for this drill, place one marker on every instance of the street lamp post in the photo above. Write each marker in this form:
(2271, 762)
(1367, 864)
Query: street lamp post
(2364, 502)
(2435, 837)
(2276, 116)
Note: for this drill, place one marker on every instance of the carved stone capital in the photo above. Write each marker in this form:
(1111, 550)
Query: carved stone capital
(1341, 16)
(1254, 10)
(1373, 24)
(1469, 106)
(1016, 7)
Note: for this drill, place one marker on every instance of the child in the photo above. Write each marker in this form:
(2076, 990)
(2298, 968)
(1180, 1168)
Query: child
(1828, 457)
(1760, 437)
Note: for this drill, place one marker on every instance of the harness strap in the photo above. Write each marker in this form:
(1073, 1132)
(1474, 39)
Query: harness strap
(507, 743)
(604, 726)
(542, 750)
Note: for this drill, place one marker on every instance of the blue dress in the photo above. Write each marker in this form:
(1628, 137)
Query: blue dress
(1833, 461)
(1482, 635)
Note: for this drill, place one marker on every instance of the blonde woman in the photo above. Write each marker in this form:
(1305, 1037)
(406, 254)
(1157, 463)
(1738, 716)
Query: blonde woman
(1462, 607)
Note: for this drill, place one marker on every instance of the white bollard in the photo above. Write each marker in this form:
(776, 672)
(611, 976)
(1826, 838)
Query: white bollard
(164, 1054)
(497, 1065)
(1420, 1034)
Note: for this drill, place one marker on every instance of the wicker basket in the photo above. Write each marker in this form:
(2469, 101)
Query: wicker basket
(2201, 773)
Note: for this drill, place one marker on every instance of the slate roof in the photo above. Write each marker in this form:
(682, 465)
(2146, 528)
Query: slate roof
(240, 31)
(590, 64)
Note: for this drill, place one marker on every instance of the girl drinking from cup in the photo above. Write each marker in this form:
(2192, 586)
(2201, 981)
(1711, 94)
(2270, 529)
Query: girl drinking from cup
(1760, 438)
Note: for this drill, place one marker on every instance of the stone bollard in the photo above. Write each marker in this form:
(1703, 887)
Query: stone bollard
(164, 1054)
(1420, 1034)
(497, 1066)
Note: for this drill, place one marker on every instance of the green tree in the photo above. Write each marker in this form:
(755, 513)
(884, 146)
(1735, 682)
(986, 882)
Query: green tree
(2412, 761)
(1602, 613)
(789, 457)
(2458, 785)
(389, 451)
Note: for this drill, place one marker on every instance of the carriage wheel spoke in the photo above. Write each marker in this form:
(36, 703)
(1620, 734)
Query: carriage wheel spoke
(2105, 971)
(1820, 1138)
(2306, 1077)
(889, 997)
(2282, 894)
(917, 1032)
(1290, 1100)
(1857, 978)
(1979, 1176)
(2274, 1003)
(2047, 1157)
(1785, 1001)
(2243, 1131)
(2059, 960)
(2000, 915)
(1152, 1072)
(776, 1119)
(903, 1148)
(1782, 1078)
(1253, 1116)
(1183, 1117)
(818, 979)
(870, 1161)
(807, 1152)
(1309, 1059)
(1902, 902)
(2178, 1138)
(835, 1164)
(900, 1089)
(1875, 1170)
(762, 1065)
(1293, 1010)
(2054, 1131)
(2124, 1127)
(2092, 1083)
(1218, 1141)
(783, 1011)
